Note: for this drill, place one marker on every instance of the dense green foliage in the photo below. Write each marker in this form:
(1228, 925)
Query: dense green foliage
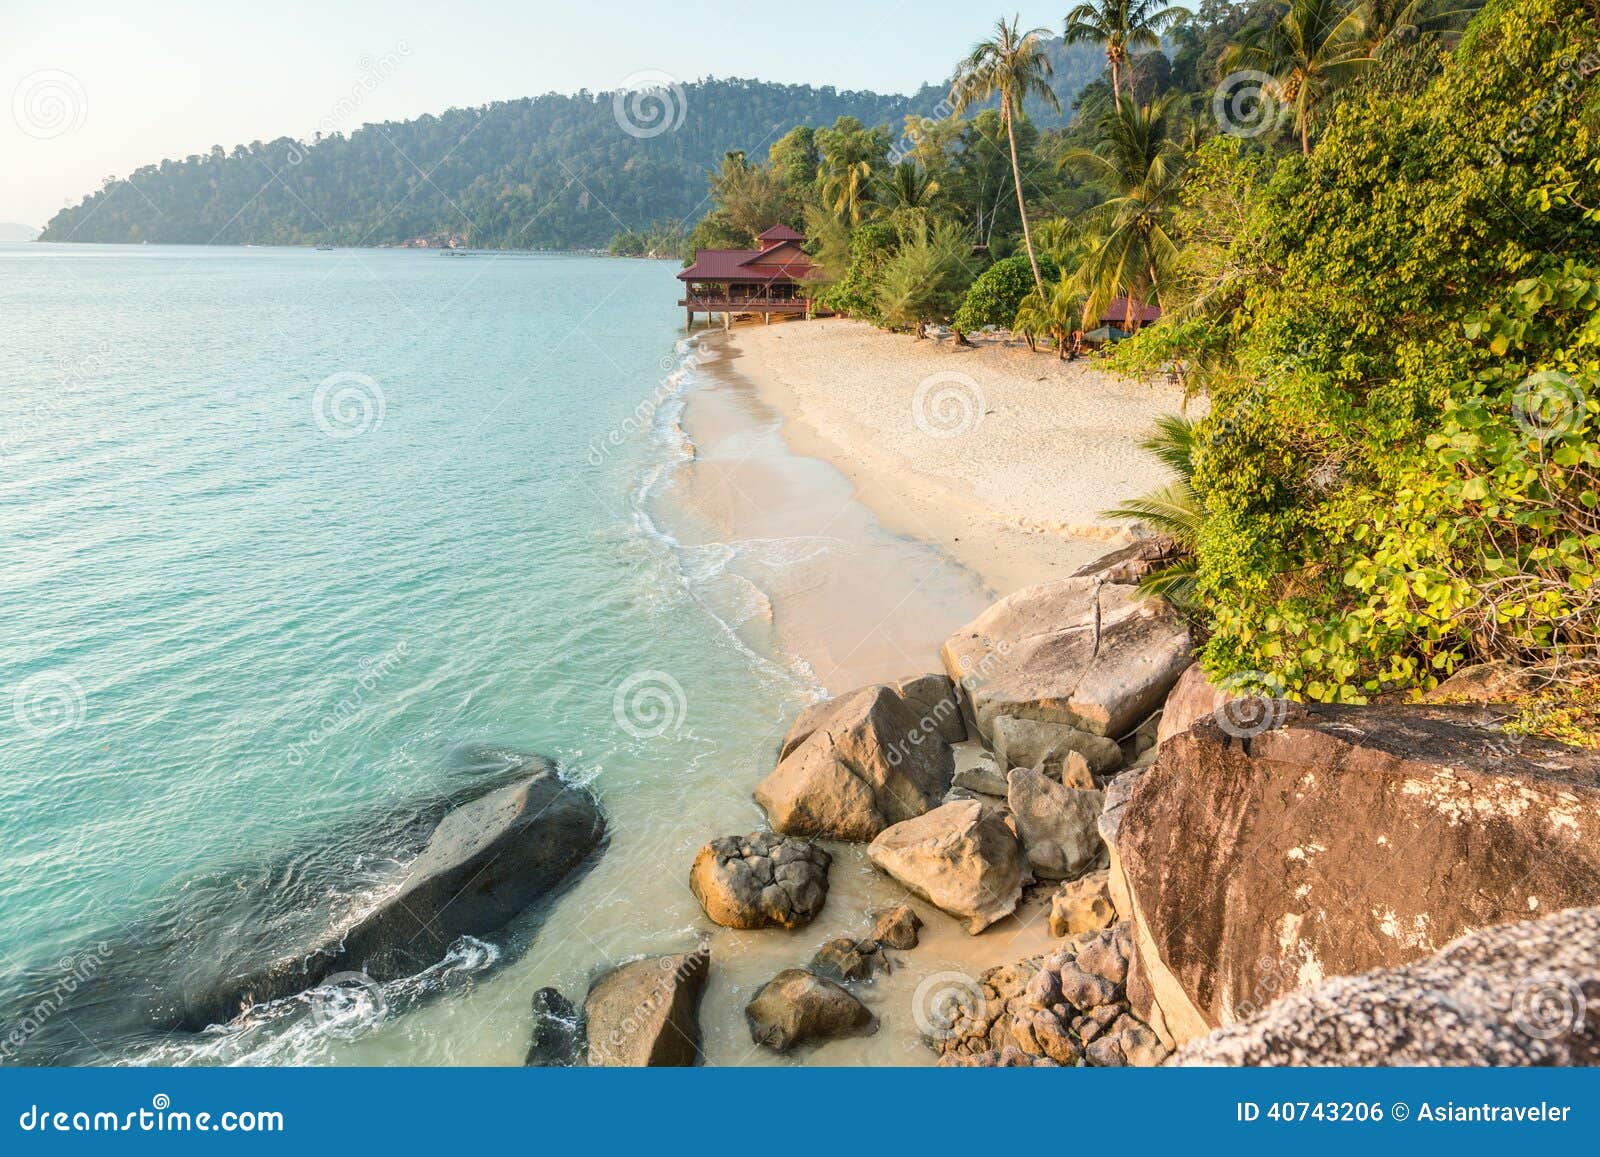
(998, 291)
(1401, 465)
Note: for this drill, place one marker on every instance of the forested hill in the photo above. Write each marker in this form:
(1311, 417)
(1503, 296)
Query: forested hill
(551, 171)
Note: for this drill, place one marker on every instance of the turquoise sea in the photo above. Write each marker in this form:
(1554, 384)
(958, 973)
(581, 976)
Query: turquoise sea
(298, 547)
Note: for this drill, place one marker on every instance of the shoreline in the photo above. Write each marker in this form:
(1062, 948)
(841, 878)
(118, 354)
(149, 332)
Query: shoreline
(1000, 458)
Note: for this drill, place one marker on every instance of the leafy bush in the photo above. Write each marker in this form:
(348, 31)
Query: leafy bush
(1401, 464)
(994, 297)
(856, 293)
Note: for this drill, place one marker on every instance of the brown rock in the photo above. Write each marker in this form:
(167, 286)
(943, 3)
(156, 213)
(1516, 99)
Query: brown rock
(1078, 651)
(962, 858)
(1010, 1057)
(844, 959)
(647, 1013)
(1133, 563)
(795, 1008)
(1496, 682)
(1030, 743)
(760, 880)
(865, 766)
(1192, 698)
(896, 927)
(930, 699)
(1342, 840)
(1082, 905)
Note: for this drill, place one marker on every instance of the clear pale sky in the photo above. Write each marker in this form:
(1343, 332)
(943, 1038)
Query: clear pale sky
(98, 87)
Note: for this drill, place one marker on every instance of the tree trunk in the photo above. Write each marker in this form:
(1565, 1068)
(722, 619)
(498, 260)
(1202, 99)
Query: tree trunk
(1305, 136)
(961, 338)
(1116, 83)
(1022, 208)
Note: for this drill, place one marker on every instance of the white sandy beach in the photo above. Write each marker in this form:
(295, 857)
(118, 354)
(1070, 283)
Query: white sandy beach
(1002, 458)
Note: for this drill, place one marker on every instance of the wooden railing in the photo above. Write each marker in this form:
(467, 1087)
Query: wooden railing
(744, 304)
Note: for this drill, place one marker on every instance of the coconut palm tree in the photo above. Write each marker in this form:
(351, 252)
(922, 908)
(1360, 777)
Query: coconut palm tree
(1316, 47)
(1396, 21)
(1009, 65)
(1054, 313)
(1121, 26)
(1173, 510)
(906, 186)
(1141, 166)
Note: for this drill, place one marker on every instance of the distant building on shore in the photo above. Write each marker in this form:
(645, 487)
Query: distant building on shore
(767, 280)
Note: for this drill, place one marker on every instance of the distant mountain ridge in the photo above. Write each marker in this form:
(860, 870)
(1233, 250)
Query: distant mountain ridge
(11, 231)
(553, 171)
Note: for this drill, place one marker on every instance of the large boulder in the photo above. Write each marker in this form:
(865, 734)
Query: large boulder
(647, 1012)
(1192, 698)
(1047, 746)
(931, 698)
(1135, 562)
(1338, 840)
(1517, 994)
(896, 927)
(796, 1007)
(760, 880)
(1079, 651)
(961, 857)
(866, 764)
(1058, 825)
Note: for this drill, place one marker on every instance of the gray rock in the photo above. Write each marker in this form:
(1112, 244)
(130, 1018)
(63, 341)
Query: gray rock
(647, 1013)
(1516, 994)
(1084, 990)
(1058, 825)
(844, 958)
(1030, 743)
(796, 1007)
(556, 1031)
(865, 766)
(929, 699)
(1069, 769)
(1133, 563)
(962, 858)
(983, 776)
(896, 927)
(760, 880)
(1078, 651)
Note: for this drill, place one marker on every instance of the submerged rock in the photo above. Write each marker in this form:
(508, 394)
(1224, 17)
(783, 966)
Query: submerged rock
(1517, 994)
(844, 958)
(961, 857)
(1335, 840)
(556, 1031)
(896, 927)
(865, 765)
(761, 880)
(647, 1012)
(796, 1008)
(1080, 652)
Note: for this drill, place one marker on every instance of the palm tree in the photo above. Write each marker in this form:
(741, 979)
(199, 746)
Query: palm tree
(1173, 510)
(1011, 66)
(907, 186)
(1141, 166)
(1122, 26)
(1053, 313)
(1395, 21)
(1316, 47)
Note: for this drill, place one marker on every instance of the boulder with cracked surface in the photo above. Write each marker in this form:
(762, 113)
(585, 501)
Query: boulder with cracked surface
(761, 880)
(1079, 651)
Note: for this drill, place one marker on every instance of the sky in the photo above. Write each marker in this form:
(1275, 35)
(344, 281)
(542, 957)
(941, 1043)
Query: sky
(96, 88)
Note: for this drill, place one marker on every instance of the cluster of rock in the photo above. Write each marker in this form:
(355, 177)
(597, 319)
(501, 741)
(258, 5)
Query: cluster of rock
(1286, 877)
(1068, 1008)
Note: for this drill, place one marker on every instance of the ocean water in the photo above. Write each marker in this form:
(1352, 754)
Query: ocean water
(297, 547)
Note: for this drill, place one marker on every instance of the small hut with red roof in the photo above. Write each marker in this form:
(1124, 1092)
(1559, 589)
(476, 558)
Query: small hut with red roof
(767, 280)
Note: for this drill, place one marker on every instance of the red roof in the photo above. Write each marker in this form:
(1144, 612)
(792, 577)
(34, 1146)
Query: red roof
(781, 233)
(733, 265)
(1117, 312)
